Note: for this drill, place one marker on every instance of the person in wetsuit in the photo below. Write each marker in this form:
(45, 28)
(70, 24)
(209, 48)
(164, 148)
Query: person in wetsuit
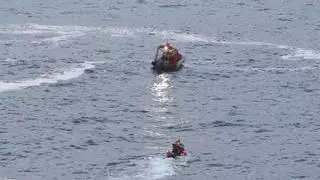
(177, 148)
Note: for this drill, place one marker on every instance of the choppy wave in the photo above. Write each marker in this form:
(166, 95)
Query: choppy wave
(49, 79)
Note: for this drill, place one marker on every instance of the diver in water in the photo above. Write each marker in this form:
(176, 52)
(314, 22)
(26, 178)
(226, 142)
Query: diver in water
(177, 148)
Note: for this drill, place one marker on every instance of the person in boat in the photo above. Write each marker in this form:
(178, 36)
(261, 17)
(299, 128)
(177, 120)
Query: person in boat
(177, 148)
(165, 52)
(168, 59)
(170, 53)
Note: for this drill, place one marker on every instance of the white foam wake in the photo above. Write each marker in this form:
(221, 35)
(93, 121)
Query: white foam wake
(254, 43)
(267, 69)
(300, 53)
(297, 53)
(157, 168)
(150, 168)
(9, 60)
(54, 78)
(62, 33)
(57, 34)
(183, 36)
(6, 178)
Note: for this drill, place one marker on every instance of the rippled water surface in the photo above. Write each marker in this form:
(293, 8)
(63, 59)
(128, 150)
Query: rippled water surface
(78, 99)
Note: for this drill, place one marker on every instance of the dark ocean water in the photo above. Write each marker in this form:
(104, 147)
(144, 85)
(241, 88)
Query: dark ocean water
(78, 99)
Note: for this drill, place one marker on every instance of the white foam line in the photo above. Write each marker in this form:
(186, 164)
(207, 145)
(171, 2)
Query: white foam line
(62, 32)
(121, 32)
(66, 75)
(8, 31)
(66, 28)
(10, 60)
(300, 53)
(154, 133)
(155, 148)
(182, 36)
(98, 62)
(58, 39)
(66, 32)
(256, 44)
(287, 69)
(252, 69)
(9, 41)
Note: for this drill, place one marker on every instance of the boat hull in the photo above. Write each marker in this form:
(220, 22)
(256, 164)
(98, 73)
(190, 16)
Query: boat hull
(160, 65)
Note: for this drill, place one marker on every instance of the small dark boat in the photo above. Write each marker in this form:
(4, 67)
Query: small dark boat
(169, 60)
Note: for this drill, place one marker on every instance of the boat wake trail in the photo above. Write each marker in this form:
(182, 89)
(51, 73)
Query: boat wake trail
(48, 34)
(300, 53)
(58, 34)
(68, 74)
(296, 53)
